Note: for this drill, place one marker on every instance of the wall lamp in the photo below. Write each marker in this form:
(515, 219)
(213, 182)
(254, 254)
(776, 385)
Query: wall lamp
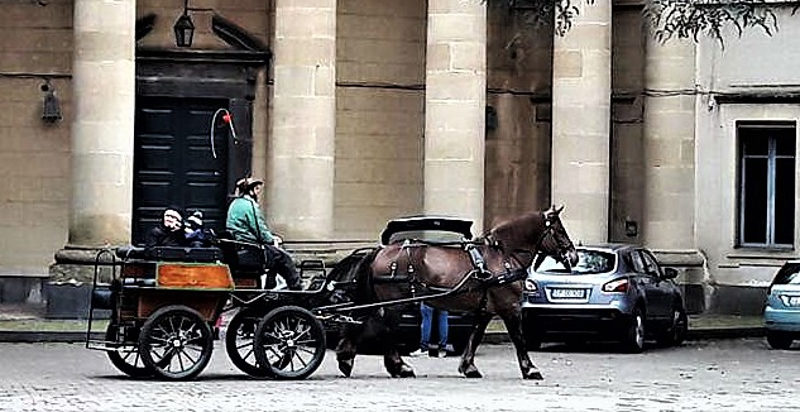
(51, 110)
(184, 28)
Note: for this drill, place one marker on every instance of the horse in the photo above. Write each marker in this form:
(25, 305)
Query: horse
(488, 283)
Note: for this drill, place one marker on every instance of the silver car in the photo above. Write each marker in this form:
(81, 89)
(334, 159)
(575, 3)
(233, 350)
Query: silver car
(615, 292)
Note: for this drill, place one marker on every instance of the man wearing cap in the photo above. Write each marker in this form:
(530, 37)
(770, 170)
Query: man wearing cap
(246, 223)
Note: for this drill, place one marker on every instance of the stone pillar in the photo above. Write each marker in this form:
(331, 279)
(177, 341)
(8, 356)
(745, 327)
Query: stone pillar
(301, 152)
(103, 90)
(669, 145)
(581, 123)
(455, 107)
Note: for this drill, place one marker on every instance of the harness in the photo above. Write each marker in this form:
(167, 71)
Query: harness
(480, 272)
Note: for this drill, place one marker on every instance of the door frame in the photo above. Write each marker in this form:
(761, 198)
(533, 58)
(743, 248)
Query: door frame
(225, 75)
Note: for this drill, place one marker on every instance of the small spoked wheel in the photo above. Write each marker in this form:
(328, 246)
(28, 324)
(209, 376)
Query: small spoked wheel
(290, 343)
(239, 342)
(125, 357)
(176, 342)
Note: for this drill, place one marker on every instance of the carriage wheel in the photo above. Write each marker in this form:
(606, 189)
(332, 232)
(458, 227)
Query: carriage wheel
(239, 342)
(290, 343)
(126, 356)
(176, 342)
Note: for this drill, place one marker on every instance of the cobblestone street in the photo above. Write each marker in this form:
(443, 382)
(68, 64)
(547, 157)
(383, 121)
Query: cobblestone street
(741, 375)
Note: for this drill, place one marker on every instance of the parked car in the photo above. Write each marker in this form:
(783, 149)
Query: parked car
(782, 310)
(615, 292)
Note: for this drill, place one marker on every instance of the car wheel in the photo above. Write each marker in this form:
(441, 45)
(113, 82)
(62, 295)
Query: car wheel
(676, 333)
(633, 338)
(779, 340)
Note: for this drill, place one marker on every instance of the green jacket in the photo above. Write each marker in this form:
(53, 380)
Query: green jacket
(246, 222)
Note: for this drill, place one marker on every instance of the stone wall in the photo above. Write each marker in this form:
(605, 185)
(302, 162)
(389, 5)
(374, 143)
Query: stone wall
(627, 82)
(380, 115)
(518, 149)
(34, 156)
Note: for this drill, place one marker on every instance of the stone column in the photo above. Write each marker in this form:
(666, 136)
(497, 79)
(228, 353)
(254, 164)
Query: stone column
(581, 123)
(669, 114)
(301, 153)
(104, 90)
(455, 107)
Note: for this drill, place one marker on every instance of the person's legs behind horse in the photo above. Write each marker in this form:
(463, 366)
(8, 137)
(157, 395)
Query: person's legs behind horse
(441, 319)
(426, 313)
(281, 263)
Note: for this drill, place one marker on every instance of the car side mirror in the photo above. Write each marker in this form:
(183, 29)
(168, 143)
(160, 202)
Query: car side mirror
(670, 273)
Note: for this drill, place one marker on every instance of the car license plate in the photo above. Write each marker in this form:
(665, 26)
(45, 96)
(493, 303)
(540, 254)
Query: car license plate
(568, 293)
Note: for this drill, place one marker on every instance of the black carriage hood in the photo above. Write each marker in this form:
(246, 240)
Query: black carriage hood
(444, 223)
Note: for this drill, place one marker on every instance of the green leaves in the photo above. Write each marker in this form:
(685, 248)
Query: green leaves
(667, 19)
(688, 19)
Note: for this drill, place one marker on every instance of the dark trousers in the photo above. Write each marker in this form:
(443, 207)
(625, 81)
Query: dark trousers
(278, 261)
(274, 259)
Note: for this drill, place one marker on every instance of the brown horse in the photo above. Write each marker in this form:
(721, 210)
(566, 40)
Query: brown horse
(495, 288)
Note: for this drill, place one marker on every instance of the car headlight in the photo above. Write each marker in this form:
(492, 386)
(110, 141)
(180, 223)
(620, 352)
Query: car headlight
(530, 285)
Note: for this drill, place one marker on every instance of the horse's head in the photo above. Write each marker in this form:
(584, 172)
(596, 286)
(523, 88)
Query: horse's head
(540, 233)
(554, 240)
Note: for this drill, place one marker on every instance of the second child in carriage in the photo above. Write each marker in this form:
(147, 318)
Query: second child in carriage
(246, 223)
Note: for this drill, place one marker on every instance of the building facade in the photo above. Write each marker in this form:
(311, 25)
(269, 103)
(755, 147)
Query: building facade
(358, 111)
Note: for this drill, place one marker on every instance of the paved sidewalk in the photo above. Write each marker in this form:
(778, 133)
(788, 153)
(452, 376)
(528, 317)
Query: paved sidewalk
(18, 326)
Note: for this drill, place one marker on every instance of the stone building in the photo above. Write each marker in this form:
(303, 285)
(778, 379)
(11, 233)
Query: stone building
(357, 111)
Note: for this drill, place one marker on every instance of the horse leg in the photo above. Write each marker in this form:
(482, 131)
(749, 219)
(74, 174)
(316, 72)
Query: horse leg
(346, 349)
(467, 365)
(391, 359)
(513, 322)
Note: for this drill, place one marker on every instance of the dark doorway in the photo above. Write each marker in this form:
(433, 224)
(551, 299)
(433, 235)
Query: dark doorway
(173, 161)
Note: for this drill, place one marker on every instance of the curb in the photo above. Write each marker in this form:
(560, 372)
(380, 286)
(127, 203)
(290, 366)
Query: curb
(499, 337)
(492, 338)
(48, 336)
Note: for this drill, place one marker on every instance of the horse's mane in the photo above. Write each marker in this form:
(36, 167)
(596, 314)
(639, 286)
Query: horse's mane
(519, 232)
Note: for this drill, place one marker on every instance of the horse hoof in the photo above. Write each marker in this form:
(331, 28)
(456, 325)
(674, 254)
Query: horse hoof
(406, 372)
(470, 372)
(346, 367)
(533, 375)
(474, 374)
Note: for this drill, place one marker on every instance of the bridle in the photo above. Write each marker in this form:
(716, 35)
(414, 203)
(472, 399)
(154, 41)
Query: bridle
(562, 247)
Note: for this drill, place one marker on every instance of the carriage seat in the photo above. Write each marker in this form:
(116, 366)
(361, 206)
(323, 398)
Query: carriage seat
(171, 253)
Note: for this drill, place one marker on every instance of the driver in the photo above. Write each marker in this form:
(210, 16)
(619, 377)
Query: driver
(246, 223)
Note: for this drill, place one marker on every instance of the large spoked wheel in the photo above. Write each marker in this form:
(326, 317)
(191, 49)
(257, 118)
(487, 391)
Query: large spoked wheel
(239, 342)
(176, 342)
(633, 338)
(126, 356)
(290, 343)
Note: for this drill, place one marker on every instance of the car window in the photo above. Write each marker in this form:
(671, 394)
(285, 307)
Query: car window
(789, 274)
(650, 264)
(636, 262)
(589, 262)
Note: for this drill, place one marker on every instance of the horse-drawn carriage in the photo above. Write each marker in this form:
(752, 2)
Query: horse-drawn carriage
(165, 301)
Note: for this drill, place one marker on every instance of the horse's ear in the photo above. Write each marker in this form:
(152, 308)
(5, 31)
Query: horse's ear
(558, 209)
